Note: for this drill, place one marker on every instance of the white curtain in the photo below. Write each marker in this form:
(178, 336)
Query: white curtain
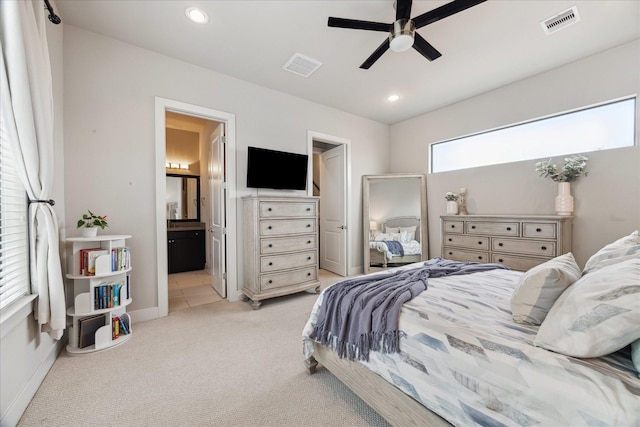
(26, 119)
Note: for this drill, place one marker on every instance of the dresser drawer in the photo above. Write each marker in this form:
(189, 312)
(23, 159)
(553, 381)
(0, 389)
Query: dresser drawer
(287, 244)
(539, 230)
(470, 242)
(285, 262)
(492, 228)
(453, 227)
(290, 226)
(276, 209)
(517, 263)
(460, 255)
(533, 247)
(289, 278)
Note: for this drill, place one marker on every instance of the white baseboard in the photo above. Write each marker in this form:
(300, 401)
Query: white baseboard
(17, 408)
(144, 314)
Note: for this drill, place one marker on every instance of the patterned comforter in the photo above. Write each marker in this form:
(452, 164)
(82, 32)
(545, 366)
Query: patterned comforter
(464, 358)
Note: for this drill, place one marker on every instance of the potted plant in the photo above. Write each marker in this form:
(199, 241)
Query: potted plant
(452, 204)
(572, 169)
(90, 223)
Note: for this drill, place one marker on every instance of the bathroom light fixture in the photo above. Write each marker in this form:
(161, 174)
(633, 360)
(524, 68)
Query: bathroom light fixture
(196, 15)
(184, 166)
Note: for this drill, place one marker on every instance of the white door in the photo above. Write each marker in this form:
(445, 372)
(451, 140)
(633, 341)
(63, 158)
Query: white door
(333, 208)
(217, 258)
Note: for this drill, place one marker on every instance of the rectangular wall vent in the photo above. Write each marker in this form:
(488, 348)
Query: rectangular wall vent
(301, 65)
(560, 21)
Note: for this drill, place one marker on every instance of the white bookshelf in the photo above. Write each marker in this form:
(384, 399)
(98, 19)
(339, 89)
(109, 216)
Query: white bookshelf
(104, 295)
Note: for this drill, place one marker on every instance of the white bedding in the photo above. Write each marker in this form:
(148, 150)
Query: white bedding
(464, 358)
(411, 248)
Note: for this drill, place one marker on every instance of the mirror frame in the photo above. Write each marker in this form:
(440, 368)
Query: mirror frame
(197, 178)
(366, 204)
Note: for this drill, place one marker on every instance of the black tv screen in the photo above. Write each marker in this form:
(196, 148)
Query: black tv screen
(276, 169)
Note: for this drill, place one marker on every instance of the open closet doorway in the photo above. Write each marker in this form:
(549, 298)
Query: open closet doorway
(330, 175)
(217, 172)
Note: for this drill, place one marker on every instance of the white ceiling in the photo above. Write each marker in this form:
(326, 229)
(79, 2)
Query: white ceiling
(485, 47)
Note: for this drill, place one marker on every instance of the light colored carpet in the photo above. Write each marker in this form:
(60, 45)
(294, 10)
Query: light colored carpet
(220, 364)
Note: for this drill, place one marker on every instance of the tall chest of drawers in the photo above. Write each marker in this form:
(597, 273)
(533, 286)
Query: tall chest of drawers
(519, 241)
(280, 246)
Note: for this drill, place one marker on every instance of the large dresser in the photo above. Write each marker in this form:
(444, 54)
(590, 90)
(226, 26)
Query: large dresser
(280, 246)
(517, 241)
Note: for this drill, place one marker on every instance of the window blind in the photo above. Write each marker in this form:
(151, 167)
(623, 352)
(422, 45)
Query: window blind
(14, 242)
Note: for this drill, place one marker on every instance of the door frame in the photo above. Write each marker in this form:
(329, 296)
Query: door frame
(162, 105)
(334, 140)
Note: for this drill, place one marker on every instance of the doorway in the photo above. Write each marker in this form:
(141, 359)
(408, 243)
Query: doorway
(162, 107)
(330, 173)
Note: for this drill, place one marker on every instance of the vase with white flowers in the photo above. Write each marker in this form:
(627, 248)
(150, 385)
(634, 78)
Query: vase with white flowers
(452, 203)
(573, 168)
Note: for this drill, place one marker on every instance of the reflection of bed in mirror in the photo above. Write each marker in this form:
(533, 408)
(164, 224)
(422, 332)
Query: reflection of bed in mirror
(398, 242)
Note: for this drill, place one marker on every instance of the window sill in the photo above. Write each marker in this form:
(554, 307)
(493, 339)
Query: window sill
(12, 315)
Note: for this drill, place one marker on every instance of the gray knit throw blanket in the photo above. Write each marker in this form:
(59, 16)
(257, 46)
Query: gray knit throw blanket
(360, 315)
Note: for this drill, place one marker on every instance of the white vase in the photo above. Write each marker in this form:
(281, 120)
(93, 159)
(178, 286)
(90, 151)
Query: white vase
(452, 207)
(564, 199)
(89, 231)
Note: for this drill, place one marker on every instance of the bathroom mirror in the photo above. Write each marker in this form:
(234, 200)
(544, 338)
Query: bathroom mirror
(394, 209)
(183, 196)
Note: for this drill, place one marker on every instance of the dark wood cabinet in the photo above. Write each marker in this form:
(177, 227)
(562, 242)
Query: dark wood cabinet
(185, 250)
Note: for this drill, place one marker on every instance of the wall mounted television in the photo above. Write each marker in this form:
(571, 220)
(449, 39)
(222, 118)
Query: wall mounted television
(276, 169)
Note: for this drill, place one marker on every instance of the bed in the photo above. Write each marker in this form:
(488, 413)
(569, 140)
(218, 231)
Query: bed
(406, 231)
(464, 360)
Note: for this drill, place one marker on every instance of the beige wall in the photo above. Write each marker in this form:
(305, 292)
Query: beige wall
(607, 202)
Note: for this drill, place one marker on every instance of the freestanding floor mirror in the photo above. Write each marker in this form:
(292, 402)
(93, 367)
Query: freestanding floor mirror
(394, 210)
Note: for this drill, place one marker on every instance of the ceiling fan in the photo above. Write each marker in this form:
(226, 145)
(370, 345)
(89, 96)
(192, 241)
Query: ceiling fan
(402, 32)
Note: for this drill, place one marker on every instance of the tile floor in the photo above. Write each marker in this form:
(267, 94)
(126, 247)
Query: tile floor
(190, 289)
(193, 288)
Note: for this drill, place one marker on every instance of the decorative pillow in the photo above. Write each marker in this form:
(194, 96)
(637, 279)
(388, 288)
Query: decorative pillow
(635, 355)
(411, 233)
(392, 229)
(624, 248)
(597, 315)
(406, 237)
(388, 236)
(541, 286)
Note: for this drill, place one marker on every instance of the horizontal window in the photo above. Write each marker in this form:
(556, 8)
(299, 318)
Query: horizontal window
(601, 127)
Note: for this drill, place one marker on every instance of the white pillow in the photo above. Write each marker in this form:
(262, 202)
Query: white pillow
(388, 236)
(392, 229)
(411, 233)
(541, 286)
(624, 248)
(597, 315)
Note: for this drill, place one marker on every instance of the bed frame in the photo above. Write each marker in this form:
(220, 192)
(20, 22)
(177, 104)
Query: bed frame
(377, 257)
(398, 408)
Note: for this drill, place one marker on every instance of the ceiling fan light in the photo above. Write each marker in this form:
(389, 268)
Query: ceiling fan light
(401, 38)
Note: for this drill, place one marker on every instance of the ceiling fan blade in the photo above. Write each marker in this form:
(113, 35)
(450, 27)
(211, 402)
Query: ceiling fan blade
(375, 55)
(444, 11)
(403, 9)
(358, 25)
(425, 48)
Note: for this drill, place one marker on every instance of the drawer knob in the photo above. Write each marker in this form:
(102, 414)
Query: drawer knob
(500, 260)
(270, 263)
(508, 228)
(544, 248)
(500, 244)
(269, 227)
(308, 258)
(270, 281)
(480, 257)
(270, 245)
(538, 229)
(450, 253)
(308, 225)
(308, 242)
(308, 274)
(450, 239)
(269, 209)
(480, 242)
(473, 227)
(453, 226)
(308, 209)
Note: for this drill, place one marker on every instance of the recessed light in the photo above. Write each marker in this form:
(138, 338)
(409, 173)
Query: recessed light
(196, 15)
(393, 98)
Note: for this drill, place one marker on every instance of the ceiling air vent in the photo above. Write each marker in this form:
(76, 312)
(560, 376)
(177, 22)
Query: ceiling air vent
(560, 21)
(301, 65)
